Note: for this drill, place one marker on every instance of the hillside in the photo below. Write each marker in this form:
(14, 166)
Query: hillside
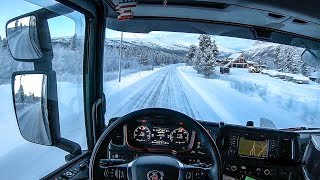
(68, 58)
(279, 57)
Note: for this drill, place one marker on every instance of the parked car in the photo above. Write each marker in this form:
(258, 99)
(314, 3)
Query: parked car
(224, 70)
(253, 69)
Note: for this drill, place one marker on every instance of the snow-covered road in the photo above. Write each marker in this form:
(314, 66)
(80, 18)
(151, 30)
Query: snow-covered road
(161, 89)
(31, 124)
(22, 45)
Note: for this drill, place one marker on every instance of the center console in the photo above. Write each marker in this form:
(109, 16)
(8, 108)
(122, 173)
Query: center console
(260, 153)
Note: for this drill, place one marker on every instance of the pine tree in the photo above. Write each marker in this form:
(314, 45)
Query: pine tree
(20, 94)
(144, 58)
(74, 42)
(277, 58)
(295, 59)
(4, 43)
(304, 69)
(206, 56)
(191, 54)
(215, 48)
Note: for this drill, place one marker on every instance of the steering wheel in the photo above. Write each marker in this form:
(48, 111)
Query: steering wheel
(154, 166)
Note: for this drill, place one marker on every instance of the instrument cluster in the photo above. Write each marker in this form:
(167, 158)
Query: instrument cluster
(145, 135)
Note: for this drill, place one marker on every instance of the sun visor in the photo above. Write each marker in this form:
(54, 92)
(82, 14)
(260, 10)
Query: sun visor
(140, 25)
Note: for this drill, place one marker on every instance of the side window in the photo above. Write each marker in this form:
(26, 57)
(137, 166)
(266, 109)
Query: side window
(20, 159)
(67, 42)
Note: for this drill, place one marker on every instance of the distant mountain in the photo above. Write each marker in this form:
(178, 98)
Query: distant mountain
(179, 42)
(171, 48)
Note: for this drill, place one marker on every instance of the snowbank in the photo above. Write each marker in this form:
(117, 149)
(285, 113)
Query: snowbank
(113, 86)
(242, 96)
(9, 131)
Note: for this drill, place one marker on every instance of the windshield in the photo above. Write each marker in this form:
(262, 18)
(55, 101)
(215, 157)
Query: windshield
(211, 78)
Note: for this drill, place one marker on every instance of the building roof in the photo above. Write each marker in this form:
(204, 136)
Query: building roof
(235, 56)
(252, 62)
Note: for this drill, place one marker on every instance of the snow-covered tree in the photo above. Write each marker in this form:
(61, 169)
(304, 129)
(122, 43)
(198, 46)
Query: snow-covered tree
(277, 58)
(205, 58)
(19, 96)
(304, 69)
(4, 43)
(144, 59)
(191, 54)
(74, 42)
(295, 62)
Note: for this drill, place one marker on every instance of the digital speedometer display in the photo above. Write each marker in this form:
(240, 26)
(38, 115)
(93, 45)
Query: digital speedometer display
(160, 136)
(142, 134)
(147, 136)
(179, 136)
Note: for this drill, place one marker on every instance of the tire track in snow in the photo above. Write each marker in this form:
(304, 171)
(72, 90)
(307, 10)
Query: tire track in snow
(163, 90)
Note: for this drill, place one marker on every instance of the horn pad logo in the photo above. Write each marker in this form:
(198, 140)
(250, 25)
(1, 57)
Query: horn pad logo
(155, 175)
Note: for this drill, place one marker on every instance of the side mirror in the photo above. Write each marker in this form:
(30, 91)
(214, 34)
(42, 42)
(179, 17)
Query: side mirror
(30, 104)
(29, 37)
(22, 35)
(311, 57)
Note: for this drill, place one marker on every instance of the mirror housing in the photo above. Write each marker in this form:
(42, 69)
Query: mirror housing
(29, 38)
(311, 57)
(39, 108)
(30, 98)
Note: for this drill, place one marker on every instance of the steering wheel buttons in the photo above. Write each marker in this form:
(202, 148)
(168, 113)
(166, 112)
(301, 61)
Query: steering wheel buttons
(188, 175)
(109, 172)
(199, 174)
(115, 173)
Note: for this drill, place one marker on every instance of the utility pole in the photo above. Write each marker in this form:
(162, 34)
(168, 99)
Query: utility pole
(120, 57)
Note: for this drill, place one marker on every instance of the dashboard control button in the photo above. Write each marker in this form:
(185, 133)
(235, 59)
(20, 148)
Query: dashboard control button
(60, 178)
(234, 168)
(68, 174)
(259, 169)
(266, 172)
(83, 166)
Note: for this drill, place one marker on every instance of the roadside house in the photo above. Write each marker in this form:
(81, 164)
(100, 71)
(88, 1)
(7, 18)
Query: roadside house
(236, 60)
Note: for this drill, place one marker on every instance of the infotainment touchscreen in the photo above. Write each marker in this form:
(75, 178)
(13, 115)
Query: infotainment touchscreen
(252, 148)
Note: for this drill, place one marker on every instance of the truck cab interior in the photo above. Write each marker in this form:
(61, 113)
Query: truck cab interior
(157, 142)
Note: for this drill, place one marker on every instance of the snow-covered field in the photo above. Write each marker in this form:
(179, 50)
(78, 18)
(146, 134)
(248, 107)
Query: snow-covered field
(242, 96)
(234, 98)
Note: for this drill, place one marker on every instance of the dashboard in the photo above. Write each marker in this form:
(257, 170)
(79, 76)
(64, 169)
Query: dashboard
(245, 151)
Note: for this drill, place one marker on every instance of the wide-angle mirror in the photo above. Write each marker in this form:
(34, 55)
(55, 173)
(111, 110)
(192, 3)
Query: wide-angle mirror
(30, 101)
(23, 39)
